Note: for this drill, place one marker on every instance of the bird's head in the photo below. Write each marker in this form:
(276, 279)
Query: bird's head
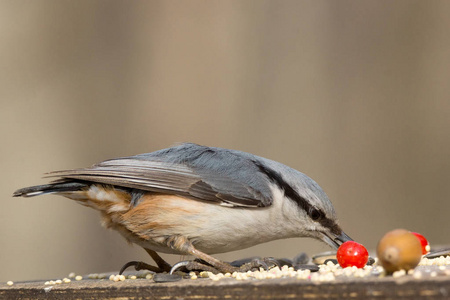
(305, 205)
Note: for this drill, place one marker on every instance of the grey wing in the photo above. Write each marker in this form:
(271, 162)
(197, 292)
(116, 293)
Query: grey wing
(206, 177)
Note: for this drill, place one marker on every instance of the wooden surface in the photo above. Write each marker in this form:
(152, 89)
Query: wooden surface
(285, 288)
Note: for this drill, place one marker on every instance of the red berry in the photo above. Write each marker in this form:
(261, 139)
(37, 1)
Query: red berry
(352, 254)
(423, 242)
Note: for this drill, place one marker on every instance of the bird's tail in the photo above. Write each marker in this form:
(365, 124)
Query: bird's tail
(52, 188)
(97, 196)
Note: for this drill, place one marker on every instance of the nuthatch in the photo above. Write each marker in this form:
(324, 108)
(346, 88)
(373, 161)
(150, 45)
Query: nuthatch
(197, 200)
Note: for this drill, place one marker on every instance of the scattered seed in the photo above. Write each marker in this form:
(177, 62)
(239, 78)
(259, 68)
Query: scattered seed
(311, 267)
(320, 258)
(117, 278)
(399, 273)
(330, 260)
(10, 283)
(440, 253)
(78, 277)
(301, 259)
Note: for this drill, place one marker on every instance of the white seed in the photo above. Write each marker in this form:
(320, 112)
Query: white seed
(71, 275)
(59, 281)
(329, 277)
(10, 283)
(66, 280)
(121, 277)
(399, 273)
(78, 277)
(132, 277)
(194, 277)
(148, 276)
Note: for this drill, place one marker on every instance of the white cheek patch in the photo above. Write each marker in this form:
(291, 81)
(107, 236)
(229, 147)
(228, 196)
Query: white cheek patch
(277, 196)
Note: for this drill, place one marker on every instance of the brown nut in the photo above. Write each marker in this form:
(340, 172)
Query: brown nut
(399, 250)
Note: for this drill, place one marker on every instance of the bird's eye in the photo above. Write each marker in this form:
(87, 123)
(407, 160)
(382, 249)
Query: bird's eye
(315, 214)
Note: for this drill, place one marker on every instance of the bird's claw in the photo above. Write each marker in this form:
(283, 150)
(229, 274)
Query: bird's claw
(191, 265)
(256, 263)
(236, 266)
(139, 265)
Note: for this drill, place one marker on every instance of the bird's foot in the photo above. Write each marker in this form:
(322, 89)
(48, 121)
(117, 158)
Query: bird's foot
(255, 263)
(140, 265)
(224, 267)
(193, 265)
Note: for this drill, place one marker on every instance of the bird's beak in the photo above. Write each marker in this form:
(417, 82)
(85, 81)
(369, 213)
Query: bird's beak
(335, 240)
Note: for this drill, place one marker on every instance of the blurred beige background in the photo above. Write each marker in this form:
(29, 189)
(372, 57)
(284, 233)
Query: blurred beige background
(354, 94)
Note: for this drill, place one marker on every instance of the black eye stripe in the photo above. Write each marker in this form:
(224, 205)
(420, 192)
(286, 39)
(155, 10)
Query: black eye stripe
(288, 190)
(301, 202)
(315, 214)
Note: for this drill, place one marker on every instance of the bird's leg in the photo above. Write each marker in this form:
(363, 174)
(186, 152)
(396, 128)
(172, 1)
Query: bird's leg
(182, 244)
(219, 265)
(163, 266)
(139, 265)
